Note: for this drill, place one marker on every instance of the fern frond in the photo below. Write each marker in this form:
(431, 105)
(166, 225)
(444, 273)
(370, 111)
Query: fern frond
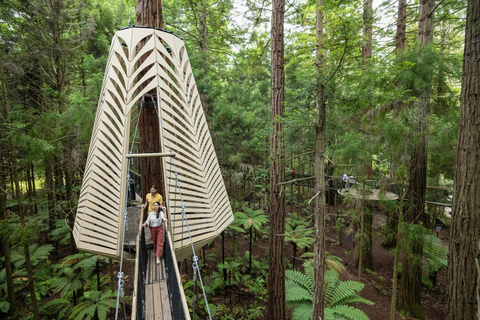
(345, 290)
(304, 280)
(302, 312)
(295, 292)
(346, 312)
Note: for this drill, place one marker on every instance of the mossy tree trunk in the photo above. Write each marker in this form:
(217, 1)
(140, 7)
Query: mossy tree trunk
(320, 208)
(411, 282)
(276, 272)
(464, 254)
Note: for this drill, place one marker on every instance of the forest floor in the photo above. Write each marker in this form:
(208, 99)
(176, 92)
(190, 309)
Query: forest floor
(378, 282)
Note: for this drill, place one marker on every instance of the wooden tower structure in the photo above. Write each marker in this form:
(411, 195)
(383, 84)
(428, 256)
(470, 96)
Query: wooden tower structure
(193, 185)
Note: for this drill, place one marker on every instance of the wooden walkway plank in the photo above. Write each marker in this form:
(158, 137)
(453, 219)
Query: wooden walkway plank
(167, 314)
(157, 304)
(157, 301)
(149, 302)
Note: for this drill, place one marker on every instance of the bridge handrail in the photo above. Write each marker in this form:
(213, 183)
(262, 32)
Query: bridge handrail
(138, 302)
(176, 295)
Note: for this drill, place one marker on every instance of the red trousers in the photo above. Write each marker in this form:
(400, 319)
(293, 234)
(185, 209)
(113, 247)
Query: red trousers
(158, 238)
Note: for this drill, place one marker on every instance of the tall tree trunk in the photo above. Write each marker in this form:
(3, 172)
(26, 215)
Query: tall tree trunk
(366, 246)
(149, 13)
(401, 26)
(21, 212)
(50, 191)
(203, 51)
(464, 254)
(411, 282)
(58, 177)
(5, 236)
(70, 210)
(34, 194)
(276, 272)
(319, 246)
(392, 222)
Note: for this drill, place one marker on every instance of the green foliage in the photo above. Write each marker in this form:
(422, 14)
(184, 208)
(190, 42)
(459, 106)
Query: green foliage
(297, 231)
(94, 302)
(338, 294)
(60, 307)
(38, 254)
(435, 253)
(62, 232)
(4, 306)
(73, 271)
(251, 218)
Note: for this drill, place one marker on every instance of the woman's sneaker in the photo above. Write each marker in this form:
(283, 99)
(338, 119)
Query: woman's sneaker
(158, 260)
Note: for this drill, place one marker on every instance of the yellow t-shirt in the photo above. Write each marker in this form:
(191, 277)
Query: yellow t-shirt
(151, 200)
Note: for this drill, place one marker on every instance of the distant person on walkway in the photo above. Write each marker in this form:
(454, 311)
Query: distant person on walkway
(155, 222)
(293, 173)
(345, 182)
(151, 198)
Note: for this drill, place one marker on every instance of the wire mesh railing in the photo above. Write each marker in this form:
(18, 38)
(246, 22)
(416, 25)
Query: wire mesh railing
(174, 294)
(142, 258)
(141, 264)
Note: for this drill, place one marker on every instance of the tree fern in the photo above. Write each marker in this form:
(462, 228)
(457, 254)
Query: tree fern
(435, 253)
(345, 293)
(345, 312)
(59, 307)
(94, 302)
(338, 294)
(303, 311)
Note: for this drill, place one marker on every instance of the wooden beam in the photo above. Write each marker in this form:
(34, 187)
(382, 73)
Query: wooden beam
(147, 155)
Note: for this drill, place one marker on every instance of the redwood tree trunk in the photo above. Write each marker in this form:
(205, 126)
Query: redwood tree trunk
(392, 220)
(276, 274)
(463, 259)
(203, 51)
(319, 247)
(411, 281)
(50, 191)
(149, 13)
(366, 246)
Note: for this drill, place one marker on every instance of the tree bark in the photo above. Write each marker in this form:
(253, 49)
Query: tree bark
(149, 13)
(463, 258)
(392, 222)
(34, 191)
(366, 246)
(276, 278)
(203, 51)
(70, 210)
(58, 177)
(401, 26)
(410, 288)
(50, 191)
(319, 246)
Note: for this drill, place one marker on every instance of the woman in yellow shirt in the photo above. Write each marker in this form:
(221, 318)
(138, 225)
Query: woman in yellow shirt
(151, 198)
